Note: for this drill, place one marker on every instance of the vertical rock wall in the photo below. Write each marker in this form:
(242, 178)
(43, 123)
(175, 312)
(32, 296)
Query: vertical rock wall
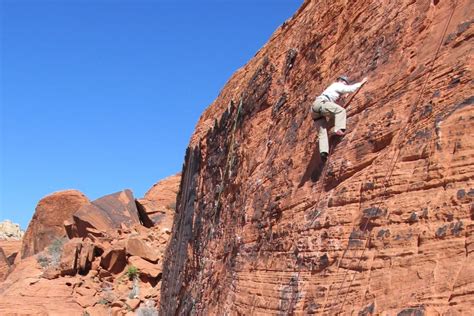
(386, 225)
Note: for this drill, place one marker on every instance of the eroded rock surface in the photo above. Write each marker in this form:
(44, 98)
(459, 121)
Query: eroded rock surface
(386, 225)
(47, 223)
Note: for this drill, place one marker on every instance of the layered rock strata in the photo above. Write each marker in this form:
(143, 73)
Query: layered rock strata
(386, 225)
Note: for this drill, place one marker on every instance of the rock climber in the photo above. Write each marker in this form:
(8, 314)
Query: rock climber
(324, 108)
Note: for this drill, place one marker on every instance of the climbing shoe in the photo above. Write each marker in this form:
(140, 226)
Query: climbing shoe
(324, 156)
(340, 132)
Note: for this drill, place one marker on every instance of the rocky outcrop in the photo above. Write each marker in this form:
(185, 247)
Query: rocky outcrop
(47, 223)
(158, 205)
(10, 231)
(262, 226)
(24, 292)
(4, 265)
(165, 191)
(112, 265)
(11, 249)
(104, 216)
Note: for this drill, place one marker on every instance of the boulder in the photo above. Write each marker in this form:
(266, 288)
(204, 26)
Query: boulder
(138, 247)
(145, 267)
(70, 257)
(114, 260)
(86, 257)
(105, 215)
(47, 223)
(158, 205)
(165, 191)
(133, 303)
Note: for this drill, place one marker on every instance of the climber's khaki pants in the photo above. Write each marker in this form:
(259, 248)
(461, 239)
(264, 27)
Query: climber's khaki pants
(328, 111)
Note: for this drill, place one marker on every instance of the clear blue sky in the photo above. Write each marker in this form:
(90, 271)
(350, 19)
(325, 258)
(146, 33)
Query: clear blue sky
(103, 95)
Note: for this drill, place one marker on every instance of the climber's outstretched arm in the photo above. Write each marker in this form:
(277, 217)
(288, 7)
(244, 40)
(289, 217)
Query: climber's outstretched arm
(348, 88)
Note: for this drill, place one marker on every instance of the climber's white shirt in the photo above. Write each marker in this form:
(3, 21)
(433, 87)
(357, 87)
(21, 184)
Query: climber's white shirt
(334, 91)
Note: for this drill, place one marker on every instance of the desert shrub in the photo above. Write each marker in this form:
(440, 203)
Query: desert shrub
(55, 250)
(51, 257)
(135, 291)
(43, 260)
(132, 272)
(147, 311)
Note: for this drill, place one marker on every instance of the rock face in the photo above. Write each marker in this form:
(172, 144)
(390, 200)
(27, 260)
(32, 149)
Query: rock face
(386, 226)
(10, 231)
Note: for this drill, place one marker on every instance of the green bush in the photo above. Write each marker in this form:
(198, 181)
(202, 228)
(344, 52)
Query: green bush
(132, 272)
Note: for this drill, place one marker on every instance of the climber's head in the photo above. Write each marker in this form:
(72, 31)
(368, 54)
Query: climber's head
(344, 79)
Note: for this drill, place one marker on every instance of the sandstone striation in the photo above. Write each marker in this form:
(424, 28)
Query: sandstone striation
(385, 226)
(47, 223)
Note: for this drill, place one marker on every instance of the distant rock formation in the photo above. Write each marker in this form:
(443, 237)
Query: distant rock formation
(10, 231)
(47, 223)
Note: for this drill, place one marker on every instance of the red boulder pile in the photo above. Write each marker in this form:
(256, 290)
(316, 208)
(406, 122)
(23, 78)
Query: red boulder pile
(107, 254)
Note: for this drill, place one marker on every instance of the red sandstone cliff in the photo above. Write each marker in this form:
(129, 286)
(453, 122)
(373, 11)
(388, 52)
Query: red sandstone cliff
(386, 226)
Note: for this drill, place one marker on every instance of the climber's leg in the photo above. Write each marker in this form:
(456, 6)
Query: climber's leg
(323, 137)
(339, 116)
